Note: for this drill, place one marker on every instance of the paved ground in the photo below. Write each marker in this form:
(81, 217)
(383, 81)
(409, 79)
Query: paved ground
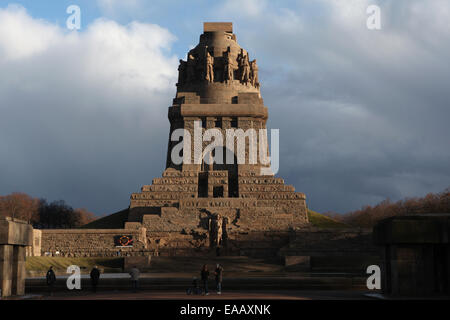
(184, 275)
(233, 295)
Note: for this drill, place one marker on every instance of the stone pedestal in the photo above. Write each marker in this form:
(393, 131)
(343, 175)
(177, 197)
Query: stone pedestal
(416, 254)
(15, 236)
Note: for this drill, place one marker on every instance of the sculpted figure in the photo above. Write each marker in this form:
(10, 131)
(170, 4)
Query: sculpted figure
(228, 74)
(215, 230)
(219, 231)
(254, 74)
(182, 72)
(244, 67)
(240, 62)
(209, 67)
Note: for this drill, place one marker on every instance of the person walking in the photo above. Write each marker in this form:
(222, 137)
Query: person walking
(95, 276)
(195, 289)
(134, 273)
(205, 276)
(218, 273)
(51, 279)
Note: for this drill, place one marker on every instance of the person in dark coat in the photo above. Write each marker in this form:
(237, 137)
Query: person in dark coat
(95, 276)
(218, 273)
(195, 289)
(134, 274)
(51, 279)
(205, 276)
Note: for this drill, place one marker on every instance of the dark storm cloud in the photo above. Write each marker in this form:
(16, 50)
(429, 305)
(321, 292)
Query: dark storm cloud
(363, 115)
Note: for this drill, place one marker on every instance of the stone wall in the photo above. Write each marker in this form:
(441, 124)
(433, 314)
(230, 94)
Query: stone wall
(35, 249)
(331, 250)
(91, 242)
(325, 242)
(175, 235)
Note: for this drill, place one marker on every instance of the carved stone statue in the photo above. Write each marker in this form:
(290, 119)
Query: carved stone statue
(209, 74)
(228, 74)
(215, 230)
(182, 72)
(254, 73)
(244, 67)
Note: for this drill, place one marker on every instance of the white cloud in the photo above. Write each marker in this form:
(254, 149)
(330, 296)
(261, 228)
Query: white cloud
(22, 36)
(82, 111)
(132, 56)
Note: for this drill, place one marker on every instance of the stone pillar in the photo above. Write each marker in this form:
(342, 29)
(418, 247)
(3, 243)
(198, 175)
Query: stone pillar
(6, 274)
(416, 259)
(15, 236)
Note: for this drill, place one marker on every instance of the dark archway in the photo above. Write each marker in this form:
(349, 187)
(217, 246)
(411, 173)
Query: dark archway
(231, 168)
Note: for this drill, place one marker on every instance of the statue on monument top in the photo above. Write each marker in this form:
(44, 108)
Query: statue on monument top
(202, 67)
(228, 74)
(244, 67)
(254, 74)
(209, 72)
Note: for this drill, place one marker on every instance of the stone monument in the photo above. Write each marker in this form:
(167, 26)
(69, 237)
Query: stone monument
(221, 196)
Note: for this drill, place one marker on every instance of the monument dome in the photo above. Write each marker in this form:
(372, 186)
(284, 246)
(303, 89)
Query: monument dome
(217, 69)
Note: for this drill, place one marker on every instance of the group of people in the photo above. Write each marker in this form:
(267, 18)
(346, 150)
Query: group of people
(95, 277)
(134, 277)
(204, 276)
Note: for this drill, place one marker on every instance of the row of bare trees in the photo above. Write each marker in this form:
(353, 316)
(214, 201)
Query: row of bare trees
(368, 216)
(41, 214)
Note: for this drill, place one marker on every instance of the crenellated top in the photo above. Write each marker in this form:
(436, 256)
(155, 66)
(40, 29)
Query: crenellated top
(218, 68)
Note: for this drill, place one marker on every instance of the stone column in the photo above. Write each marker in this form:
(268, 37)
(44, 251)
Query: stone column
(6, 273)
(15, 236)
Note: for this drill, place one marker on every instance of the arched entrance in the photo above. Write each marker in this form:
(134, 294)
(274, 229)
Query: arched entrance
(208, 165)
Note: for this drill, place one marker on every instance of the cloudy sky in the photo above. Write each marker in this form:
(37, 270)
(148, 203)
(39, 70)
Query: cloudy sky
(363, 114)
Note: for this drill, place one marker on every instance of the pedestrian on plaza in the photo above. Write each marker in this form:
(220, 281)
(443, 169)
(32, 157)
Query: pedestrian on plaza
(195, 288)
(95, 276)
(51, 279)
(218, 273)
(204, 277)
(134, 273)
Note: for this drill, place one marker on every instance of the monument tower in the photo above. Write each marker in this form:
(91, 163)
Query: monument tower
(221, 194)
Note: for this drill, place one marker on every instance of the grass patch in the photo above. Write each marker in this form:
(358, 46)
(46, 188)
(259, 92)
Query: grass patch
(319, 220)
(42, 264)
